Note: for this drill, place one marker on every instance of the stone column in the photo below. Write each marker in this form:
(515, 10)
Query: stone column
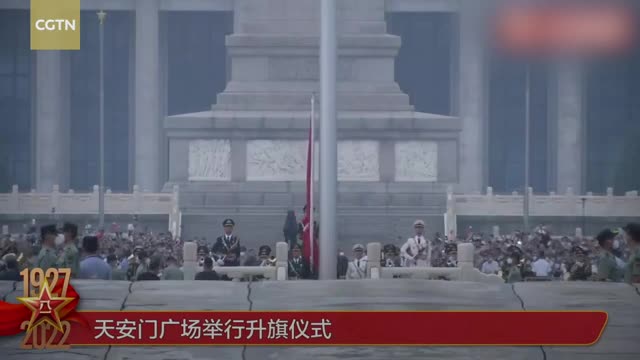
(52, 131)
(148, 133)
(570, 131)
(472, 97)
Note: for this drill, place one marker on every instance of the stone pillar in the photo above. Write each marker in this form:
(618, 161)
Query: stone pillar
(570, 132)
(52, 131)
(374, 250)
(472, 97)
(190, 260)
(147, 160)
(282, 260)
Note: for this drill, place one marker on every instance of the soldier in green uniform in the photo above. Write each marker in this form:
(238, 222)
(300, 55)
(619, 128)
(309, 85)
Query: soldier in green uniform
(70, 257)
(298, 266)
(608, 269)
(47, 258)
(172, 271)
(632, 272)
(580, 270)
(116, 273)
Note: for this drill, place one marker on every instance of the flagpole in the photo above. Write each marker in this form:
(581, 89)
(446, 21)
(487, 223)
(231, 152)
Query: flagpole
(311, 206)
(101, 16)
(328, 142)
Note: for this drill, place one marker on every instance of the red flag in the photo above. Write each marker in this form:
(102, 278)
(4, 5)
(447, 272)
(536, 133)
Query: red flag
(306, 235)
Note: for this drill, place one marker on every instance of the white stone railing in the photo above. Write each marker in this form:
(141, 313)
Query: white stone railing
(552, 204)
(237, 273)
(463, 272)
(71, 203)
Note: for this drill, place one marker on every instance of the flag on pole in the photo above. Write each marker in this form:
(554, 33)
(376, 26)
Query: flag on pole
(309, 235)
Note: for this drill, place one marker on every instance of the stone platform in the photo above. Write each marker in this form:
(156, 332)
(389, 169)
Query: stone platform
(619, 341)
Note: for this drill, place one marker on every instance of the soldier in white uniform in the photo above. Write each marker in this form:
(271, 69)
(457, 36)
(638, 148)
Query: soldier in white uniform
(358, 266)
(417, 250)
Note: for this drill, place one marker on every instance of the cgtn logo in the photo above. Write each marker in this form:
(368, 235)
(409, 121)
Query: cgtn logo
(55, 25)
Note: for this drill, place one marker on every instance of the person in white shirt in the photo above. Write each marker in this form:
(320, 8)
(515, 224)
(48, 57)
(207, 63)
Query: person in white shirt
(417, 250)
(490, 266)
(358, 266)
(541, 267)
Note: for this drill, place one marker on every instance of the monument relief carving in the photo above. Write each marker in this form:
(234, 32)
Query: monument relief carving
(286, 160)
(210, 160)
(358, 160)
(416, 161)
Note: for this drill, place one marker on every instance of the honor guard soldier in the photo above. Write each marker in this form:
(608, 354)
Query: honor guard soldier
(632, 271)
(298, 266)
(358, 266)
(70, 257)
(417, 250)
(390, 256)
(227, 243)
(513, 268)
(581, 269)
(608, 269)
(264, 254)
(47, 258)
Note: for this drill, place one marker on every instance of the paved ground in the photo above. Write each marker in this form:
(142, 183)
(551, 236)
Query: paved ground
(621, 339)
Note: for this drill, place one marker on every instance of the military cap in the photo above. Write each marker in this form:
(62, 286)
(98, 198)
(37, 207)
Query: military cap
(48, 229)
(633, 230)
(579, 250)
(418, 223)
(296, 246)
(228, 222)
(605, 235)
(264, 250)
(358, 247)
(389, 248)
(450, 248)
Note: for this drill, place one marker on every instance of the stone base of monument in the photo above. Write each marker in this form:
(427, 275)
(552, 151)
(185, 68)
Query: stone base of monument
(393, 167)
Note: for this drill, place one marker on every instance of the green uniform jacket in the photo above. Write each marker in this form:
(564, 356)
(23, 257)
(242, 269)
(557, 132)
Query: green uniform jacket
(608, 268)
(70, 258)
(633, 267)
(47, 259)
(172, 273)
(118, 274)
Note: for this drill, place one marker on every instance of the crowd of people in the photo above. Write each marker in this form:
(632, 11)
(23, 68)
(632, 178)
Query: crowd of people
(138, 255)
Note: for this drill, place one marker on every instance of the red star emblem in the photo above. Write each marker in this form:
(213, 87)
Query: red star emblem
(45, 308)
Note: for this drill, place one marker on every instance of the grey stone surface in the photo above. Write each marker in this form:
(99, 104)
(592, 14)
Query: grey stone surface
(619, 341)
(620, 301)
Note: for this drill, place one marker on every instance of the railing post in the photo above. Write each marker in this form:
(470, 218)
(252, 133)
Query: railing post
(496, 231)
(451, 220)
(14, 201)
(373, 260)
(174, 212)
(282, 260)
(55, 199)
(465, 261)
(137, 199)
(190, 260)
(94, 199)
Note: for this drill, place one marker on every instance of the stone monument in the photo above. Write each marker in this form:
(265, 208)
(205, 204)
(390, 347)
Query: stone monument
(246, 157)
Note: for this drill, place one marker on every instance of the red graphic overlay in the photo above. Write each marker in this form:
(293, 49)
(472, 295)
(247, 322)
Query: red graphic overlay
(566, 28)
(339, 328)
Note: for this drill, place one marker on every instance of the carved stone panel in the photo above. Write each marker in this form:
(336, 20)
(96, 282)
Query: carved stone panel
(209, 160)
(358, 160)
(276, 160)
(416, 161)
(286, 160)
